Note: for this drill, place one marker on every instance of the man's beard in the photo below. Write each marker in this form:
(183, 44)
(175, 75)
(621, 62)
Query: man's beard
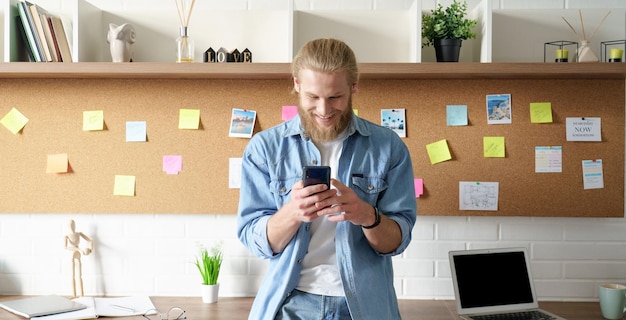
(324, 135)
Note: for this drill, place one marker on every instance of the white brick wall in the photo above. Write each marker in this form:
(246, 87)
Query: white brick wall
(153, 254)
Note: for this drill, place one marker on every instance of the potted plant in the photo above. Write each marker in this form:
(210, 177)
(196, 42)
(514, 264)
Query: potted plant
(209, 262)
(445, 28)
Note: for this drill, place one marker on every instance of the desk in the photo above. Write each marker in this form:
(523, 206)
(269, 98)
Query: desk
(238, 308)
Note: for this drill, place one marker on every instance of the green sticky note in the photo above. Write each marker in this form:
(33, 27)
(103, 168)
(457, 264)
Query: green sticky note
(540, 112)
(493, 147)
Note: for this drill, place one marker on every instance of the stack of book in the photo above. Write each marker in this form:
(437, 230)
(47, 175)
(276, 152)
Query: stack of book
(43, 33)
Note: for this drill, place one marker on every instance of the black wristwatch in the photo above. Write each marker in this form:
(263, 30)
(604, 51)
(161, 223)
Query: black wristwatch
(376, 222)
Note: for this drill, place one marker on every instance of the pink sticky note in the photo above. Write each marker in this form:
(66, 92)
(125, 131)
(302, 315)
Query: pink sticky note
(289, 112)
(419, 187)
(172, 164)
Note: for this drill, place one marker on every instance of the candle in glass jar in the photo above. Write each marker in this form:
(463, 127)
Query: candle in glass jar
(616, 55)
(562, 55)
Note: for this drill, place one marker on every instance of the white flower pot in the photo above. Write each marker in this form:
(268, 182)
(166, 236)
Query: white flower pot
(209, 292)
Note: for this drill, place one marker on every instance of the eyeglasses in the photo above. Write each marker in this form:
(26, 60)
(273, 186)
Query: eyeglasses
(174, 313)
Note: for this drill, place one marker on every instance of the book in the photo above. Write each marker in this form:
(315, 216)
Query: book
(29, 29)
(24, 41)
(36, 12)
(60, 35)
(41, 306)
(106, 307)
(52, 43)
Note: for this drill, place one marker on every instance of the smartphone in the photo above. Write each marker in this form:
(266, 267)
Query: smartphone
(316, 175)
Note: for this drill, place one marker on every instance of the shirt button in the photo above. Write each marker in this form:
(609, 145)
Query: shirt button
(283, 189)
(314, 161)
(370, 187)
(308, 228)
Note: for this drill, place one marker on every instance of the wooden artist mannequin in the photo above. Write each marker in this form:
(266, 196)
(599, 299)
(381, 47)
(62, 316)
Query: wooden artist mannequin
(72, 243)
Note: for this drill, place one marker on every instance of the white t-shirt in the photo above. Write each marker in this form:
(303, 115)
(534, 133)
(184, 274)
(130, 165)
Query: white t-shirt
(320, 272)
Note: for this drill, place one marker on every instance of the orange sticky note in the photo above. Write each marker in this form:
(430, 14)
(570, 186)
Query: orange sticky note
(57, 163)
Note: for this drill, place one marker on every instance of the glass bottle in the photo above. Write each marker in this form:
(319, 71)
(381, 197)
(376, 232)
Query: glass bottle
(184, 47)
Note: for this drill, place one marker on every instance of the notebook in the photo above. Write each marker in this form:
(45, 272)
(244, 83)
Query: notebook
(41, 306)
(493, 281)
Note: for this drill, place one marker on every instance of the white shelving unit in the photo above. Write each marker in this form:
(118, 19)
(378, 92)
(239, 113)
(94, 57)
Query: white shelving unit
(274, 35)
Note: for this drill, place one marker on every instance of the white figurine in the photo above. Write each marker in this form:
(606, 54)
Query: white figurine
(121, 39)
(72, 243)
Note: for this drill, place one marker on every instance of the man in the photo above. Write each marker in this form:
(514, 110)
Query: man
(329, 249)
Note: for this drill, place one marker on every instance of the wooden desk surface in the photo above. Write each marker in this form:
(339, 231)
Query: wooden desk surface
(238, 308)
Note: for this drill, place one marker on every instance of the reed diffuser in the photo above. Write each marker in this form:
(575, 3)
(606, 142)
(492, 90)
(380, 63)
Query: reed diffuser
(184, 44)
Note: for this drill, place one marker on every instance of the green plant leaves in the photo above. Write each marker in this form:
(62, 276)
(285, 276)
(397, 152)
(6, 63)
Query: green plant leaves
(447, 23)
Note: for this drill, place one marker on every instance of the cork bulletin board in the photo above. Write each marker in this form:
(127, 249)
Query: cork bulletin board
(54, 108)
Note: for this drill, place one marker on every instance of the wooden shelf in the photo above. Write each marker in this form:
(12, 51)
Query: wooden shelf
(156, 70)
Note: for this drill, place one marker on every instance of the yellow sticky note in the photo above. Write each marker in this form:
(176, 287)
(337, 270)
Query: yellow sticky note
(57, 163)
(93, 120)
(124, 186)
(355, 111)
(493, 147)
(14, 121)
(188, 119)
(541, 112)
(438, 151)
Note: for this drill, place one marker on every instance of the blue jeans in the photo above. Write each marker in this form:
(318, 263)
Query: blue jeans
(304, 306)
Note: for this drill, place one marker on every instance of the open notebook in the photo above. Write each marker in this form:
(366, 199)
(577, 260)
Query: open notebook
(493, 281)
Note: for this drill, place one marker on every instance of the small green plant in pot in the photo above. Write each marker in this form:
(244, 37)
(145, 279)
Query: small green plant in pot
(447, 27)
(209, 262)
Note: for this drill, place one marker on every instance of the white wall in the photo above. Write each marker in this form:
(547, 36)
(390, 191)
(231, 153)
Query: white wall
(152, 254)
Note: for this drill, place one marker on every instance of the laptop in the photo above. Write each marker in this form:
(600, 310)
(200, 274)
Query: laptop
(495, 284)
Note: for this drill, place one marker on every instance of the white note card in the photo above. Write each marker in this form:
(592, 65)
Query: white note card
(593, 178)
(583, 129)
(478, 195)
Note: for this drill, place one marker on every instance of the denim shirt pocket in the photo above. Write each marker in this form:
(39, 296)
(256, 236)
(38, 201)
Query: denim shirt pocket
(281, 190)
(369, 188)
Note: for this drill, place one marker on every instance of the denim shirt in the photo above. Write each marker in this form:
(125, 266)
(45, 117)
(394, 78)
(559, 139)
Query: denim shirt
(376, 164)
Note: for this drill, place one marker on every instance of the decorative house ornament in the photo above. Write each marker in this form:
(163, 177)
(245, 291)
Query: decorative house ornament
(121, 39)
(585, 54)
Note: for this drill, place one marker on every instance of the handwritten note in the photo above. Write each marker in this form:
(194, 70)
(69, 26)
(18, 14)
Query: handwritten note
(493, 147)
(438, 151)
(540, 112)
(188, 119)
(93, 120)
(14, 121)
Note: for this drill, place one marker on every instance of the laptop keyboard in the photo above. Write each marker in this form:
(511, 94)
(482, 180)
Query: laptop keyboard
(524, 315)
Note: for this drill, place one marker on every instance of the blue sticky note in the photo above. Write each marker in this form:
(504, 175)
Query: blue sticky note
(456, 115)
(135, 131)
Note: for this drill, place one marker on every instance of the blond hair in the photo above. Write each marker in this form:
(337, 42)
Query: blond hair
(326, 55)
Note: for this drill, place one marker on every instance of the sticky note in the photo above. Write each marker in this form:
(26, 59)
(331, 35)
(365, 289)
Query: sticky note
(172, 164)
(124, 186)
(57, 163)
(438, 151)
(93, 120)
(289, 112)
(14, 121)
(456, 115)
(355, 111)
(189, 119)
(541, 112)
(493, 147)
(135, 131)
(419, 187)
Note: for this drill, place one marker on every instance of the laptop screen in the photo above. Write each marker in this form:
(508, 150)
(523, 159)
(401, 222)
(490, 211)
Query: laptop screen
(492, 280)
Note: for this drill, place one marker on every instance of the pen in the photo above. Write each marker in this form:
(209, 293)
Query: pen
(122, 308)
